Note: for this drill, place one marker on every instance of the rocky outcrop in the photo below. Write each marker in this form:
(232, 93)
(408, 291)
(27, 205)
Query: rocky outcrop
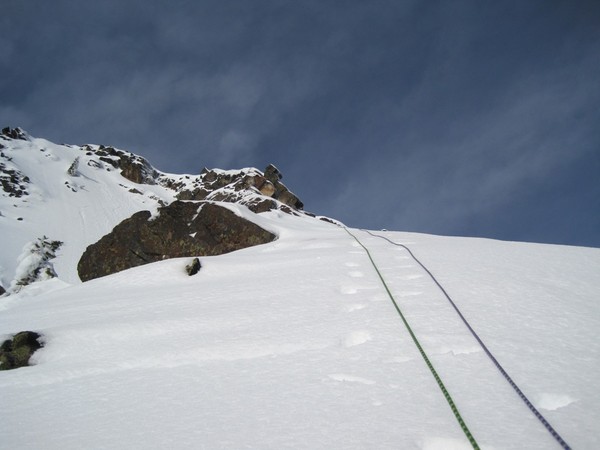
(182, 229)
(259, 192)
(2, 290)
(36, 262)
(13, 133)
(132, 167)
(16, 352)
(13, 182)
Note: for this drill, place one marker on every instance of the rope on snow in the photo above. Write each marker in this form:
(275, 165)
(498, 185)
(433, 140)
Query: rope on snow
(519, 392)
(447, 396)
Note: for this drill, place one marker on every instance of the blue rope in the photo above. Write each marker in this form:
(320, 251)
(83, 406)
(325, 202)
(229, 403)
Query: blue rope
(533, 409)
(437, 378)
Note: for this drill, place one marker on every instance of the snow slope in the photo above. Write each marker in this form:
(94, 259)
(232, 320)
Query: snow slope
(77, 209)
(295, 344)
(74, 195)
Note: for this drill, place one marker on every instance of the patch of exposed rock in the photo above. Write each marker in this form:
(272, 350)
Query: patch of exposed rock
(182, 229)
(36, 262)
(260, 192)
(14, 183)
(16, 352)
(132, 167)
(13, 133)
(194, 267)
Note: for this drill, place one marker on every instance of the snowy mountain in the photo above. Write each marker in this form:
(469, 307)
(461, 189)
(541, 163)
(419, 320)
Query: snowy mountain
(325, 337)
(73, 195)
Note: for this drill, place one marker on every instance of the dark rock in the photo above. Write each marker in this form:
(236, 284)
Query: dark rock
(137, 169)
(73, 169)
(14, 133)
(194, 267)
(110, 161)
(13, 182)
(249, 188)
(95, 164)
(194, 194)
(273, 174)
(2, 290)
(265, 186)
(133, 167)
(328, 220)
(287, 197)
(16, 352)
(182, 229)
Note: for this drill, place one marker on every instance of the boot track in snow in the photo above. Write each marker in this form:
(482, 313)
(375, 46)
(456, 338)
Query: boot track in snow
(520, 393)
(447, 396)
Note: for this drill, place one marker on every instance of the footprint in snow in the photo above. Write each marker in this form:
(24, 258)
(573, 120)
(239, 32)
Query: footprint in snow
(351, 264)
(552, 402)
(409, 293)
(356, 338)
(413, 276)
(348, 290)
(399, 359)
(350, 378)
(355, 307)
(356, 274)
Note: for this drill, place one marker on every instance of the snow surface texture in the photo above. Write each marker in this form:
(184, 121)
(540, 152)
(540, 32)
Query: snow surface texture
(292, 344)
(295, 344)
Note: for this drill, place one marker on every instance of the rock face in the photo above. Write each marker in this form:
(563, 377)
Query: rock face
(182, 229)
(16, 352)
(14, 133)
(248, 187)
(13, 182)
(133, 168)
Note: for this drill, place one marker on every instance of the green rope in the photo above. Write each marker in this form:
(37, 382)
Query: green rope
(447, 396)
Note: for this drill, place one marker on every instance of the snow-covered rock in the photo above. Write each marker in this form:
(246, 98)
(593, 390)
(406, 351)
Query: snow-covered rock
(78, 194)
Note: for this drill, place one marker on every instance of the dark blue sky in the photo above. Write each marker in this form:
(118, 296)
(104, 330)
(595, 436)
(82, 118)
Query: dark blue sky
(476, 118)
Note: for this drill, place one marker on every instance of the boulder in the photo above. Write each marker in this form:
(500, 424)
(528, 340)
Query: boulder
(194, 267)
(2, 290)
(182, 229)
(16, 352)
